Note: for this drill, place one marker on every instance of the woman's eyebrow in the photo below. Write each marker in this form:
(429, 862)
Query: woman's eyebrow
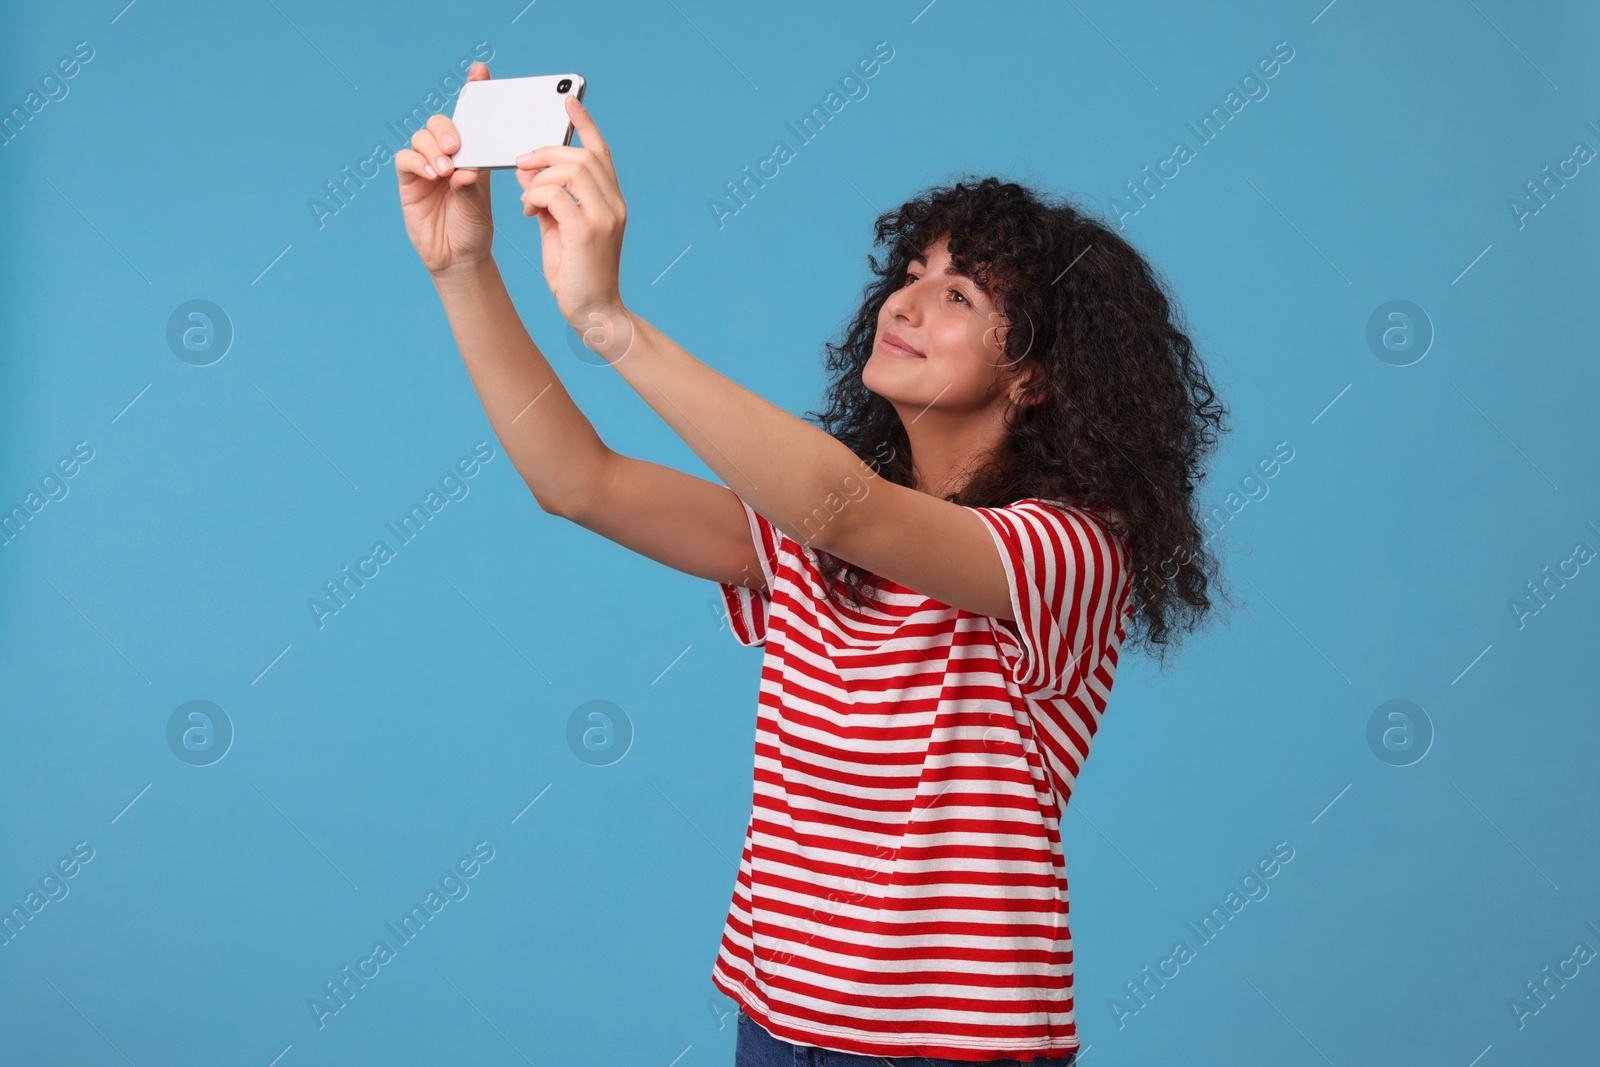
(951, 271)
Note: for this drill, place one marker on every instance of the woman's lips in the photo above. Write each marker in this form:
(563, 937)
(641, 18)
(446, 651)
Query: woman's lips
(889, 343)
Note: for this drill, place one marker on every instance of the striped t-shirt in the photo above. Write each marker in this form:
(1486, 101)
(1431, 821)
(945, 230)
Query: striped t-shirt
(902, 890)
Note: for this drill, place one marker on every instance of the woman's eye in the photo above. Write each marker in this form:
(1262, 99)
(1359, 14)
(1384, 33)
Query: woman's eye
(910, 277)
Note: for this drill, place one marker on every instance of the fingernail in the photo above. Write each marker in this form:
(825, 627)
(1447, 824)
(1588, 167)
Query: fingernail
(524, 157)
(429, 171)
(443, 163)
(447, 141)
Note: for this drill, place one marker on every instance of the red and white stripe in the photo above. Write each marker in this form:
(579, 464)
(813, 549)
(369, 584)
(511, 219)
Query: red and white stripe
(902, 890)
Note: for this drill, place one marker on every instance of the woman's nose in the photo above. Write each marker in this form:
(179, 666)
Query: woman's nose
(905, 304)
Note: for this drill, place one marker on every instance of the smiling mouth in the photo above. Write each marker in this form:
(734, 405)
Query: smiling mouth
(897, 349)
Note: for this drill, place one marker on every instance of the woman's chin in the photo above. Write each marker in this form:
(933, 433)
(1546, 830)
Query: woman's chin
(880, 379)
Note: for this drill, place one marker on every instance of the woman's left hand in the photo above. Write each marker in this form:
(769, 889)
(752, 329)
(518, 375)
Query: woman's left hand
(582, 242)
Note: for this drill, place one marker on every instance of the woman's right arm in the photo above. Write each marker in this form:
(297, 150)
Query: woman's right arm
(550, 441)
(688, 523)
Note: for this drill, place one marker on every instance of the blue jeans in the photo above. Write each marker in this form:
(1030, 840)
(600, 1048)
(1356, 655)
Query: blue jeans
(757, 1048)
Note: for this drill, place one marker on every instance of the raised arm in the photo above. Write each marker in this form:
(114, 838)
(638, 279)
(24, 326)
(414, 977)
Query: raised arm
(688, 523)
(685, 522)
(549, 439)
(805, 482)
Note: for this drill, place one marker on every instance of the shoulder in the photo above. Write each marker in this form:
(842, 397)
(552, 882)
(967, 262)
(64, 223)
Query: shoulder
(779, 551)
(1068, 532)
(1100, 522)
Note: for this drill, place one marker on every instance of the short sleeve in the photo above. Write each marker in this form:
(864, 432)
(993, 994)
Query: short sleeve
(748, 609)
(1069, 584)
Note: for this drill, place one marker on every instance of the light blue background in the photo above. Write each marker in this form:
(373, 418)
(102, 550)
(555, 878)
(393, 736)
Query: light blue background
(432, 710)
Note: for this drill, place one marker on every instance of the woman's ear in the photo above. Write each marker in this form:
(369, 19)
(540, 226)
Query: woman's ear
(1026, 385)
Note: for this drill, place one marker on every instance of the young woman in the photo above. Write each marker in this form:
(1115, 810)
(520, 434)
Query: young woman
(942, 573)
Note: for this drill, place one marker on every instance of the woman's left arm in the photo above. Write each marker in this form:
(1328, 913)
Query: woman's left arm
(802, 479)
(787, 469)
(795, 474)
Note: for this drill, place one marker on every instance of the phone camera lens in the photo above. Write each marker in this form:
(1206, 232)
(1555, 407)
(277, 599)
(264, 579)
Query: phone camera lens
(563, 85)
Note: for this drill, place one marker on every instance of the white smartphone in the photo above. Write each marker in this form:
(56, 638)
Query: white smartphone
(501, 118)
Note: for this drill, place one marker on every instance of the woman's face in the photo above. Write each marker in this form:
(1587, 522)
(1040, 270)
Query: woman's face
(956, 328)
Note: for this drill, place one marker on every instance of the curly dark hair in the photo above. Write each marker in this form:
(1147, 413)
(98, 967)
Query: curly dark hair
(1124, 413)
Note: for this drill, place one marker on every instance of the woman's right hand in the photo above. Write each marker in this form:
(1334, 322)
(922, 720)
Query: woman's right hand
(446, 210)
